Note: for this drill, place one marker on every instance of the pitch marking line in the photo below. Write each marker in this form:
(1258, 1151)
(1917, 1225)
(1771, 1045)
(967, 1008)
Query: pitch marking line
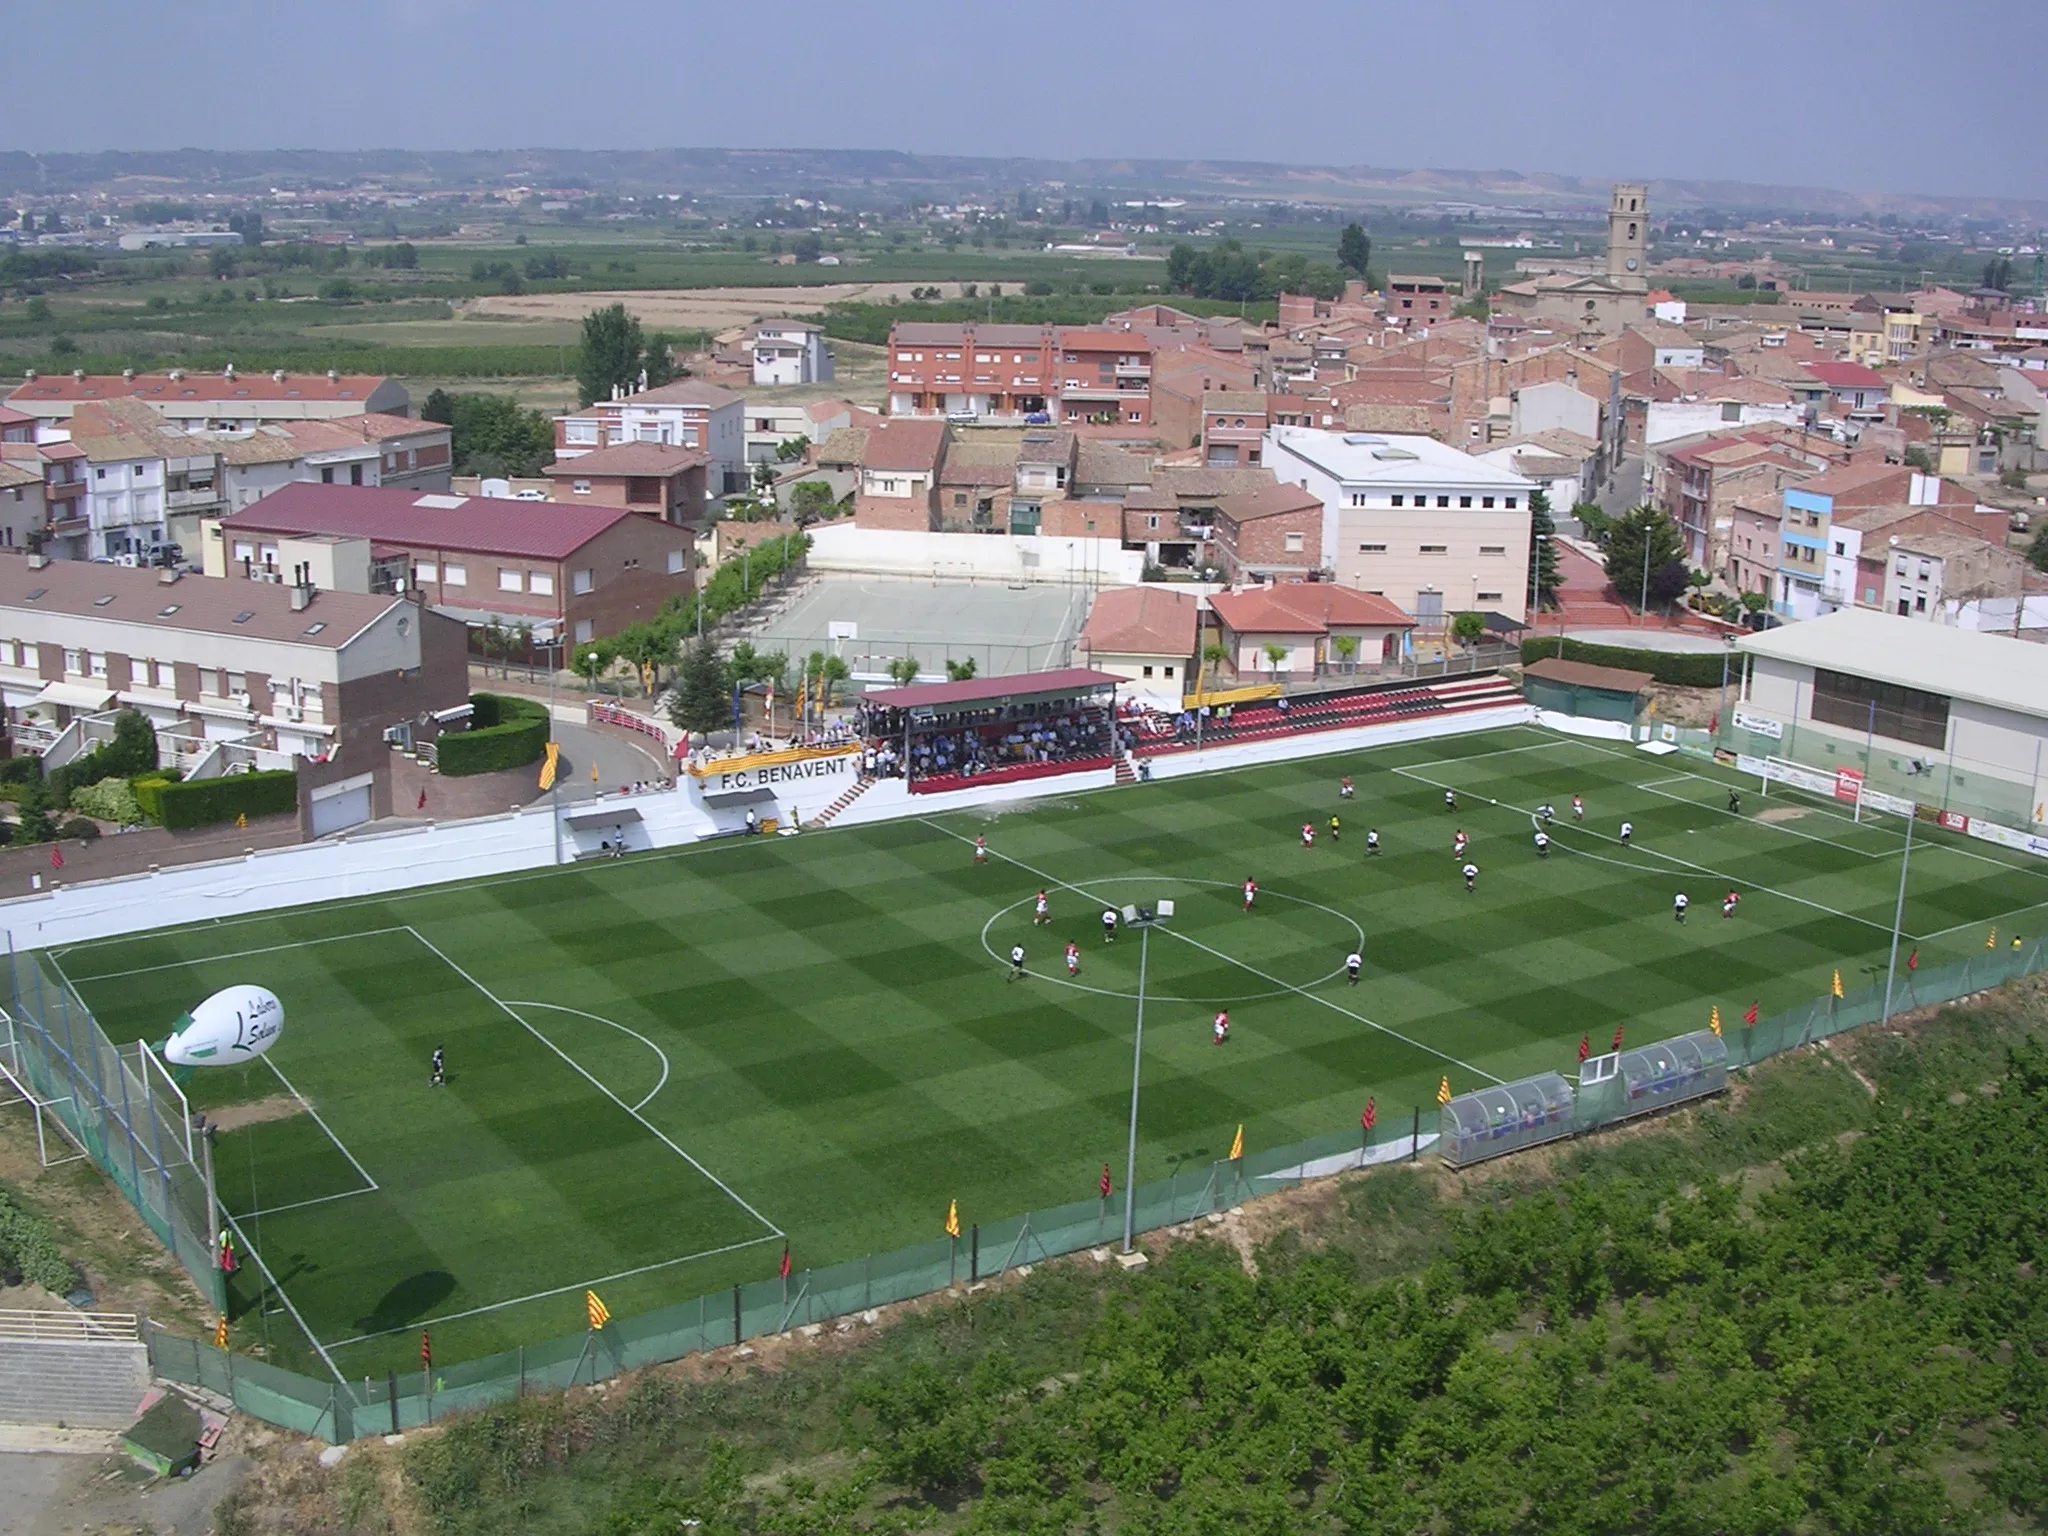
(597, 1018)
(1721, 810)
(371, 1186)
(240, 954)
(1474, 757)
(577, 1067)
(1358, 1018)
(560, 1290)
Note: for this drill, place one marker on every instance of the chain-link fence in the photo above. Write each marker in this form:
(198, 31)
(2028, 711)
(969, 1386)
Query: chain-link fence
(118, 1106)
(1647, 1079)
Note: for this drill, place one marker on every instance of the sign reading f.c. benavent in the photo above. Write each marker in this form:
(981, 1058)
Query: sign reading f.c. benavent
(764, 770)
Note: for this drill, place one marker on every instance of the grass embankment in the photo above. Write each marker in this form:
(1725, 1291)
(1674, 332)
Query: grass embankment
(1811, 1306)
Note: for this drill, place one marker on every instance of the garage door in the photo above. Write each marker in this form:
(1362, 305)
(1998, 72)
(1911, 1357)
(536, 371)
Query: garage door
(343, 809)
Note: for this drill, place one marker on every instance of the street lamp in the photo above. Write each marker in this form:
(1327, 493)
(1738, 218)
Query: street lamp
(1536, 543)
(1144, 919)
(1727, 650)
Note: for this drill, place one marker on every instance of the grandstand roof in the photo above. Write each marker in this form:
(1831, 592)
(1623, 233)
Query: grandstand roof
(1960, 663)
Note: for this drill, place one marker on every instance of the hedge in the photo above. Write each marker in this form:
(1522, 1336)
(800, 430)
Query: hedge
(149, 792)
(28, 1247)
(21, 770)
(1681, 669)
(209, 802)
(505, 731)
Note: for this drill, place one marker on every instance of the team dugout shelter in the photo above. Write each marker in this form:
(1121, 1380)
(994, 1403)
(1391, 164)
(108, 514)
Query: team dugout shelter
(1590, 692)
(941, 736)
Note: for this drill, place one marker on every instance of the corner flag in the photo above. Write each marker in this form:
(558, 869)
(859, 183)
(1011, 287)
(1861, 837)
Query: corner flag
(1585, 1046)
(1443, 1091)
(1913, 961)
(1714, 1021)
(220, 1332)
(1237, 1146)
(1749, 1018)
(547, 769)
(1991, 939)
(1617, 1036)
(1838, 984)
(600, 1314)
(783, 1273)
(953, 1219)
(426, 1350)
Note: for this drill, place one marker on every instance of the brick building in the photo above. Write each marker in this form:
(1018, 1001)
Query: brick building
(569, 572)
(1274, 534)
(660, 480)
(229, 401)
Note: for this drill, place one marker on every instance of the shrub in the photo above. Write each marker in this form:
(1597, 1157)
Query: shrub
(149, 793)
(109, 800)
(1702, 670)
(21, 770)
(80, 828)
(28, 1247)
(209, 802)
(132, 751)
(505, 731)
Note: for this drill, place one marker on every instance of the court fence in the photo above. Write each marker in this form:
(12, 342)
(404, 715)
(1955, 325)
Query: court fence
(1659, 1076)
(117, 1106)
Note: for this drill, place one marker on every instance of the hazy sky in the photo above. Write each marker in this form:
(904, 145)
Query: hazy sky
(1856, 94)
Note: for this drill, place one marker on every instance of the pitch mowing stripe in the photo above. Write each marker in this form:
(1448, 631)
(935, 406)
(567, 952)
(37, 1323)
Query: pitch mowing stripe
(240, 954)
(340, 1145)
(1231, 959)
(577, 1067)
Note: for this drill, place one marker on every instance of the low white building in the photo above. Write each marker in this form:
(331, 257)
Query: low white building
(1413, 520)
(686, 414)
(789, 352)
(770, 425)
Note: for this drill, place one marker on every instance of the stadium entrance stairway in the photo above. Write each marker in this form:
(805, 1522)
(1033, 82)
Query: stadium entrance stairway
(860, 787)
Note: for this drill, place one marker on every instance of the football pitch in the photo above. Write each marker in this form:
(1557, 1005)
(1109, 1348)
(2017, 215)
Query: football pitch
(663, 1069)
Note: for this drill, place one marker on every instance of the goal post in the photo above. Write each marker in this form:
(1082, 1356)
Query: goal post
(1844, 786)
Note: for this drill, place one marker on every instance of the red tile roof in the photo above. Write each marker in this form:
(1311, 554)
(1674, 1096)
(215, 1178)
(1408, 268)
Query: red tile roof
(1142, 621)
(660, 459)
(540, 530)
(1306, 608)
(162, 388)
(994, 690)
(1848, 376)
(904, 443)
(1269, 501)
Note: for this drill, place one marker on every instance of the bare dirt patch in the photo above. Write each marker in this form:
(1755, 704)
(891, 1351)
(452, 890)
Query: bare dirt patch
(693, 309)
(1778, 813)
(279, 1106)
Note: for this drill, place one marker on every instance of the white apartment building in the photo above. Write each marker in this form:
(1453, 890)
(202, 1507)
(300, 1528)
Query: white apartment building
(769, 426)
(789, 352)
(686, 414)
(1413, 520)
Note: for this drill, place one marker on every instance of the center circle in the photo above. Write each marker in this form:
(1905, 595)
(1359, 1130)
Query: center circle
(1153, 888)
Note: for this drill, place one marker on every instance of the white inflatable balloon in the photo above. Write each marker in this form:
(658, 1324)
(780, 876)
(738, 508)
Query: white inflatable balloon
(236, 1024)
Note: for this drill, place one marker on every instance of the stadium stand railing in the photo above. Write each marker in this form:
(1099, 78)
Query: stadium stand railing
(1645, 1082)
(1337, 710)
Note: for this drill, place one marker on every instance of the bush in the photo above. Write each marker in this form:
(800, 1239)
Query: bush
(132, 751)
(109, 800)
(1676, 668)
(28, 1247)
(149, 793)
(80, 829)
(505, 731)
(209, 802)
(21, 770)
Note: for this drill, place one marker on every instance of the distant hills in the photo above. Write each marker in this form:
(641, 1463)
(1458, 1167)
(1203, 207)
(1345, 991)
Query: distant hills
(859, 177)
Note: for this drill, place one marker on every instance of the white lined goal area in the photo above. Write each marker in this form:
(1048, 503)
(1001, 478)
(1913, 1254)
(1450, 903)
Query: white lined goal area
(1844, 786)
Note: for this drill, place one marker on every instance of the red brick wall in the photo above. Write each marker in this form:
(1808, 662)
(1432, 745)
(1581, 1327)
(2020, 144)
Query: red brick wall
(902, 514)
(1261, 542)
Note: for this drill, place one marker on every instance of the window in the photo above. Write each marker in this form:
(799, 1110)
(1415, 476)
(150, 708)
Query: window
(1443, 501)
(583, 631)
(1923, 570)
(580, 487)
(1493, 549)
(453, 575)
(355, 474)
(326, 474)
(1294, 543)
(1435, 549)
(100, 473)
(1464, 501)
(1147, 671)
(74, 663)
(1167, 670)
(581, 581)
(1841, 547)
(1920, 602)
(580, 432)
(1901, 567)
(676, 560)
(540, 583)
(511, 581)
(1372, 549)
(96, 663)
(425, 570)
(1398, 500)
(248, 552)
(1904, 714)
(1489, 597)
(1486, 501)
(237, 682)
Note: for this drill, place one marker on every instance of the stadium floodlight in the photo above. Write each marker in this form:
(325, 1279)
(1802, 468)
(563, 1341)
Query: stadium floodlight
(1144, 919)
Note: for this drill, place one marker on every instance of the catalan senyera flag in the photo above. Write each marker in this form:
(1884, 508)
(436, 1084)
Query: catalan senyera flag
(1443, 1091)
(1749, 1018)
(783, 1272)
(593, 773)
(803, 693)
(1991, 939)
(1714, 1020)
(600, 1314)
(1237, 1146)
(220, 1332)
(550, 765)
(1837, 988)
(953, 1219)
(1913, 961)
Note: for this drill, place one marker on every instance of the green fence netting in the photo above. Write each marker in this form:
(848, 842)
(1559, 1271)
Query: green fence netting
(1650, 1078)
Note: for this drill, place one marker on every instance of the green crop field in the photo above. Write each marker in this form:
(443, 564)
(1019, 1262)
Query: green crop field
(661, 1069)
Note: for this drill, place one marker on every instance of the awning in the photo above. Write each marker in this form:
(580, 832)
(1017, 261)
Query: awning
(601, 816)
(75, 696)
(736, 799)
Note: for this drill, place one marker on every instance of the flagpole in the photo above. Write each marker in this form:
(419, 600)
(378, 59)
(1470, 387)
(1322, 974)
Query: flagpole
(1898, 916)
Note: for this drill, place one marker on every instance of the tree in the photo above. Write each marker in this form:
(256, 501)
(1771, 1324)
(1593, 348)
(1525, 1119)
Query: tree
(1645, 529)
(791, 449)
(1998, 273)
(1917, 457)
(807, 247)
(492, 435)
(1466, 628)
(1346, 647)
(1598, 524)
(811, 500)
(903, 670)
(702, 701)
(1213, 656)
(960, 671)
(613, 353)
(764, 476)
(440, 406)
(829, 670)
(1543, 550)
(1275, 654)
(1354, 250)
(402, 257)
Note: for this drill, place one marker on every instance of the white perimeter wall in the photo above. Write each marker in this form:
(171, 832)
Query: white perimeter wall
(975, 556)
(380, 864)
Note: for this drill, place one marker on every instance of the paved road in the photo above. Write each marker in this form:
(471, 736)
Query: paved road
(1624, 488)
(619, 760)
(1652, 638)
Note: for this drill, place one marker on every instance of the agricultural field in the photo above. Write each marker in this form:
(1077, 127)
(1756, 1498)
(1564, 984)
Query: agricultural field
(663, 1070)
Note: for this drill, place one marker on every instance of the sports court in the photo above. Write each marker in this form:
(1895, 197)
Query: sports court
(661, 1069)
(1002, 629)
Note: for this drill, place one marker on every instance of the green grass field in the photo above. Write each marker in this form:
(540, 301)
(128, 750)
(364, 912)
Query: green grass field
(662, 1068)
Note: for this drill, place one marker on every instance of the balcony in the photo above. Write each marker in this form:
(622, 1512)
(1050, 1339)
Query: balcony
(1074, 389)
(184, 501)
(64, 490)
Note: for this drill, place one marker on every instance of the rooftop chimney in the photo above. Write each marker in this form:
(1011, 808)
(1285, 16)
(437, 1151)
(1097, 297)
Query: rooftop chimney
(334, 375)
(277, 375)
(168, 576)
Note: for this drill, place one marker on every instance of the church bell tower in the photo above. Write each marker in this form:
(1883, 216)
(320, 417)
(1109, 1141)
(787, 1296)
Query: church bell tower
(1628, 236)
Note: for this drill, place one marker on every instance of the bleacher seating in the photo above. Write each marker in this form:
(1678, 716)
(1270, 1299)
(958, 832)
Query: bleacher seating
(1344, 710)
(939, 783)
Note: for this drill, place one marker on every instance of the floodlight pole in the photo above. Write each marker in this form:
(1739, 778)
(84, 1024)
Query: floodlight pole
(1898, 914)
(1137, 1059)
(1727, 650)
